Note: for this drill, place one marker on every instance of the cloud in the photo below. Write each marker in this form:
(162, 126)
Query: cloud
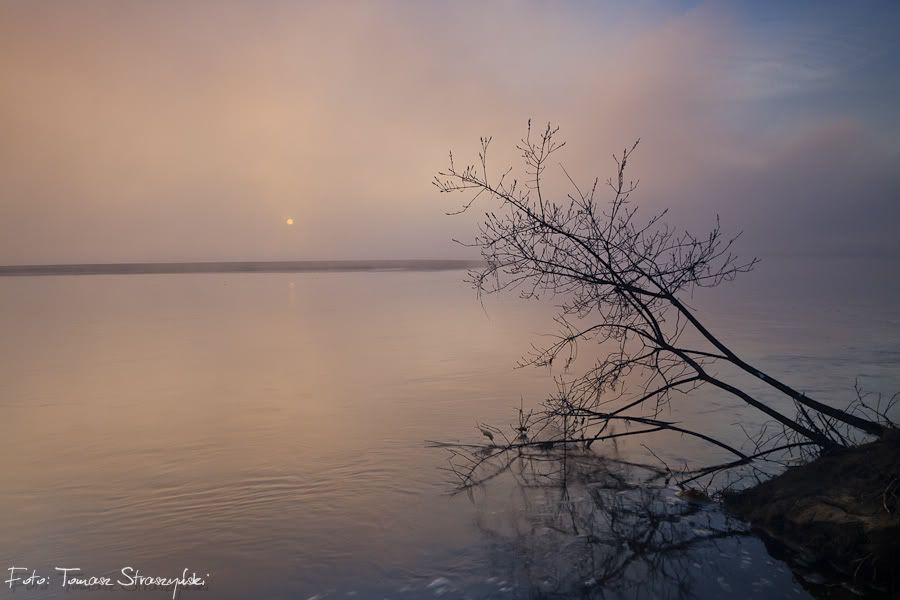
(185, 131)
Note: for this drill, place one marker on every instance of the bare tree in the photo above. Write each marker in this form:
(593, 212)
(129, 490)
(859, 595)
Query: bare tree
(623, 283)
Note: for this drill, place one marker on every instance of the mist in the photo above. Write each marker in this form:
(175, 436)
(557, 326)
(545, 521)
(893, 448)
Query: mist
(173, 131)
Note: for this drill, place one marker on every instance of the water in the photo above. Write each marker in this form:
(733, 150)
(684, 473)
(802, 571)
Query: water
(268, 431)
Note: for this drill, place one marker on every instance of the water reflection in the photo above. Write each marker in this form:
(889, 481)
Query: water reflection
(589, 526)
(274, 438)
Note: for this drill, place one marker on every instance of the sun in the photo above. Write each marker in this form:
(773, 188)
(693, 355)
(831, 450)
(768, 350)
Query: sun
(289, 221)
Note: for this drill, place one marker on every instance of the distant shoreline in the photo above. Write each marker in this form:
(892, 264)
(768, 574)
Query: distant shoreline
(286, 266)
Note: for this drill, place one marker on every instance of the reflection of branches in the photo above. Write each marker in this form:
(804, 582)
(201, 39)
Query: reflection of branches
(596, 527)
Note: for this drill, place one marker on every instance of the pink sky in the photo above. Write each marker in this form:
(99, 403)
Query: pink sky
(192, 130)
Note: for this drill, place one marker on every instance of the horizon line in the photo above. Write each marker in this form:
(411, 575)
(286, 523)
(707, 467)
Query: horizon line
(245, 266)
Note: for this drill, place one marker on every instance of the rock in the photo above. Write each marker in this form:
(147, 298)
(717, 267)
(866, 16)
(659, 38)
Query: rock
(840, 511)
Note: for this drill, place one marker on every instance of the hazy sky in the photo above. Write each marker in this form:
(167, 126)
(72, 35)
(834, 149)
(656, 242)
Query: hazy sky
(157, 130)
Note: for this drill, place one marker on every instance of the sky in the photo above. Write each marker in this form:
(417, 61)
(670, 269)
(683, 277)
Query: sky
(193, 130)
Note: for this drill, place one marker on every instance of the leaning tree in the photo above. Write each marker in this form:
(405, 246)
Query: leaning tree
(622, 282)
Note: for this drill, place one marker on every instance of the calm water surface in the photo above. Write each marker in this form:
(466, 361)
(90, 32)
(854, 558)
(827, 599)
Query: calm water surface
(269, 430)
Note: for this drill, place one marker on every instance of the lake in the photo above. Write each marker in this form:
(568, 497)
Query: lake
(269, 432)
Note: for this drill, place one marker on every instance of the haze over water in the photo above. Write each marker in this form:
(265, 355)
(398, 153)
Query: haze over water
(269, 428)
(179, 391)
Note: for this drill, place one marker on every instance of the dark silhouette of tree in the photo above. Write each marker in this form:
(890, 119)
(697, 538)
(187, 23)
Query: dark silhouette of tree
(623, 283)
